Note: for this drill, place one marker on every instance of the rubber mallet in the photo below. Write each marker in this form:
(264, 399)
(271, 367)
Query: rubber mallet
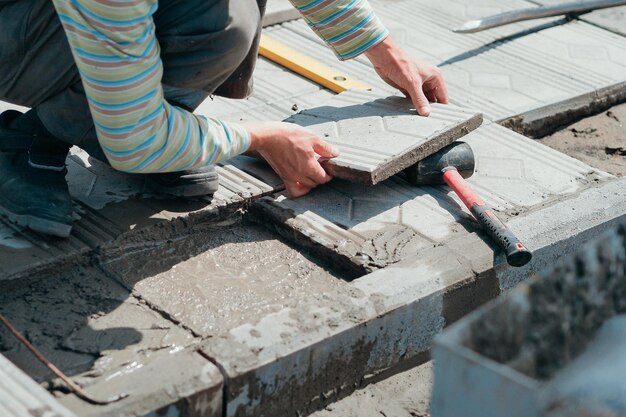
(450, 166)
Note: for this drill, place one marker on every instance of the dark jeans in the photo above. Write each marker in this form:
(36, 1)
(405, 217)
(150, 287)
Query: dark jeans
(207, 47)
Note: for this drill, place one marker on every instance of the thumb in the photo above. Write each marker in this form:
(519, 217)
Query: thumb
(420, 101)
(325, 149)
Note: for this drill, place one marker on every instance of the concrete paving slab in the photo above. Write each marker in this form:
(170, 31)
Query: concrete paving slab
(434, 36)
(613, 19)
(373, 227)
(110, 208)
(182, 384)
(286, 361)
(20, 396)
(508, 73)
(378, 137)
(493, 64)
(110, 342)
(223, 277)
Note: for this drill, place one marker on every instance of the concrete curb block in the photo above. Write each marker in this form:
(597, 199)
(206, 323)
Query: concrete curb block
(543, 121)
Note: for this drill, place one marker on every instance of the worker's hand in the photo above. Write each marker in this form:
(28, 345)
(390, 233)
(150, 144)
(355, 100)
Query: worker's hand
(418, 80)
(291, 151)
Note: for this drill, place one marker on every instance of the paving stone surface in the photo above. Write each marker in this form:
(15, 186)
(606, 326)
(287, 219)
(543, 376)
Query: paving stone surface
(613, 19)
(551, 64)
(337, 340)
(373, 227)
(378, 137)
(110, 206)
(110, 342)
(278, 94)
(508, 73)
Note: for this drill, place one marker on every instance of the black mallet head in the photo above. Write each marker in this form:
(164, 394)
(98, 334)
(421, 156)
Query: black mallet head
(429, 171)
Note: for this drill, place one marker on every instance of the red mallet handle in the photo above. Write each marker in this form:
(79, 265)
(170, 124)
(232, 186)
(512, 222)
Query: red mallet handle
(516, 252)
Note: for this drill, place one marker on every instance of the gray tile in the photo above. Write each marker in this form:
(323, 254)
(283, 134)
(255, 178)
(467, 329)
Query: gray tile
(373, 227)
(169, 384)
(426, 25)
(223, 277)
(378, 137)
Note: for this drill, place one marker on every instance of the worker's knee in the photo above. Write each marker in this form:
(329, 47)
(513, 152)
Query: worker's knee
(244, 25)
(204, 38)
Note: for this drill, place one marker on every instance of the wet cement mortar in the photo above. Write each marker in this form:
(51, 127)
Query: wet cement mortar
(223, 277)
(94, 322)
(599, 141)
(542, 328)
(86, 324)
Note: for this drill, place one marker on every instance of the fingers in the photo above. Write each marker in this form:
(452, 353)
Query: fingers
(419, 98)
(325, 149)
(311, 174)
(435, 87)
(441, 93)
(317, 174)
(295, 189)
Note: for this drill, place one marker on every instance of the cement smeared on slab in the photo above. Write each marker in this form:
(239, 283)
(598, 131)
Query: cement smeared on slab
(222, 277)
(86, 324)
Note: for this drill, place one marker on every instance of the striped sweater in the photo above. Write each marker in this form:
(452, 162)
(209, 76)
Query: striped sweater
(117, 54)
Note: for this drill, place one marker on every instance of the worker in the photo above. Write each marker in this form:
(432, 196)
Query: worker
(121, 78)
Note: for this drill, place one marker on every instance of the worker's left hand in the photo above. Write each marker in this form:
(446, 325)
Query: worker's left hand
(420, 81)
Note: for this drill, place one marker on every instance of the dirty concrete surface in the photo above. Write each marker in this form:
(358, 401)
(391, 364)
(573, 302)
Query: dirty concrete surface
(599, 141)
(163, 298)
(99, 331)
(86, 324)
(224, 277)
(406, 394)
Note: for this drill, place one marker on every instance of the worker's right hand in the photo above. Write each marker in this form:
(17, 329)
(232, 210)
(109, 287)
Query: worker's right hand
(292, 152)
